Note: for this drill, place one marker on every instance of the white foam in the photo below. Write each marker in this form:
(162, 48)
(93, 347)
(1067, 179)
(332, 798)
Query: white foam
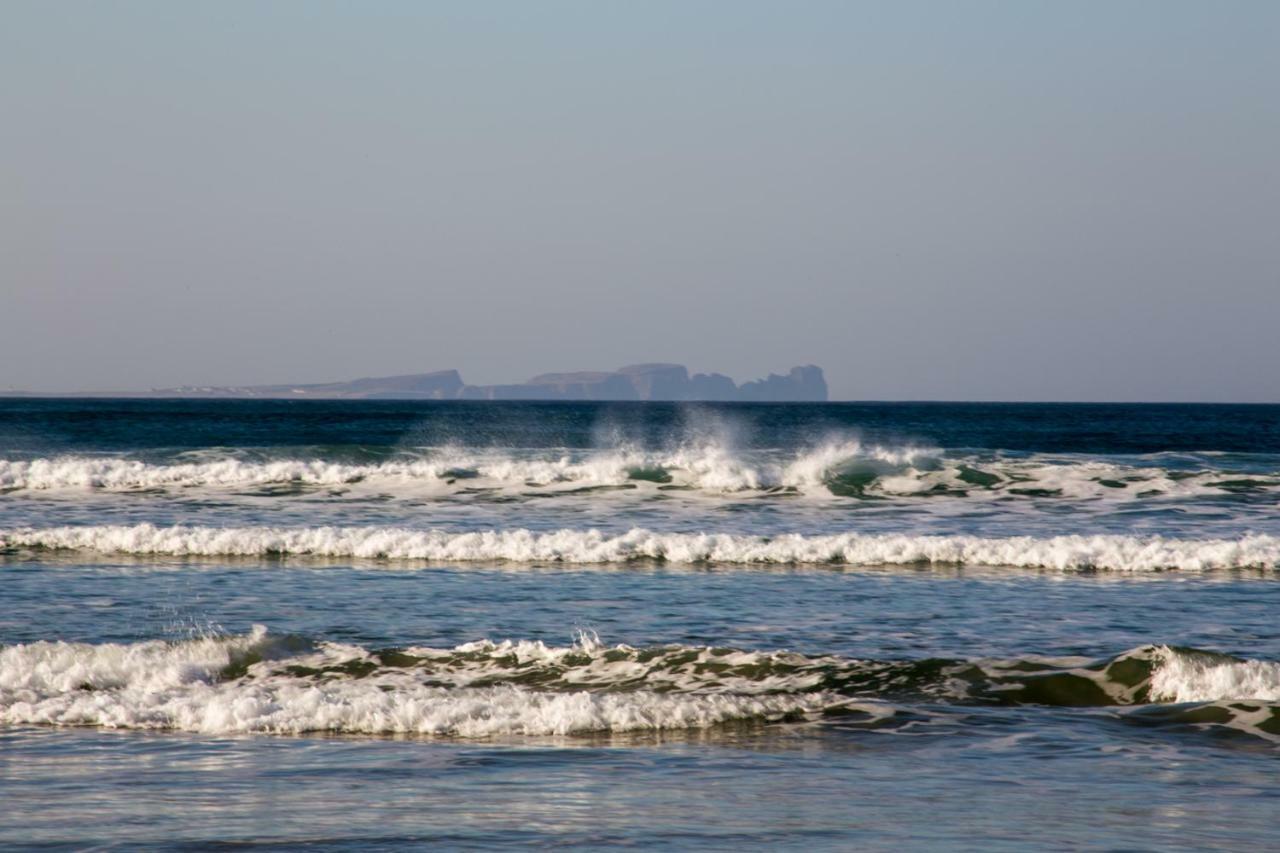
(709, 468)
(157, 685)
(712, 467)
(279, 684)
(379, 706)
(114, 474)
(1104, 552)
(1183, 677)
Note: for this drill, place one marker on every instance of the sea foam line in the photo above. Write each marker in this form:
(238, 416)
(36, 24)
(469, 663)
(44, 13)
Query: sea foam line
(184, 686)
(710, 467)
(591, 546)
(847, 468)
(258, 682)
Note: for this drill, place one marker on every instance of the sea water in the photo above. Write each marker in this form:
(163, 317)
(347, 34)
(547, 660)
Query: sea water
(377, 624)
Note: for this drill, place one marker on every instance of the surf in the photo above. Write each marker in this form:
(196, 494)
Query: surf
(267, 683)
(1117, 553)
(836, 470)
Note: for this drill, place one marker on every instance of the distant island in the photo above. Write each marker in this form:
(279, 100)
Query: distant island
(634, 382)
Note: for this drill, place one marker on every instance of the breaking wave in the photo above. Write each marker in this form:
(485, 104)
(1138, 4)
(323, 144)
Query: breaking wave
(591, 546)
(266, 683)
(847, 469)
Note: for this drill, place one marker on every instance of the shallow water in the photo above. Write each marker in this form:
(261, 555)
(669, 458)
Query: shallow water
(251, 677)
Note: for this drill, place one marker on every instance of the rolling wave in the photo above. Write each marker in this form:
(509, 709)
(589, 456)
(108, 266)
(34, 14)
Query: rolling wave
(842, 469)
(260, 682)
(591, 546)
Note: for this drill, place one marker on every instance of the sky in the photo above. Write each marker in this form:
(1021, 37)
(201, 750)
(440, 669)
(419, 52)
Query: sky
(947, 200)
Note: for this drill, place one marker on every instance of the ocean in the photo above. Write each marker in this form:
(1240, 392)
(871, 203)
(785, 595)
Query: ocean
(360, 625)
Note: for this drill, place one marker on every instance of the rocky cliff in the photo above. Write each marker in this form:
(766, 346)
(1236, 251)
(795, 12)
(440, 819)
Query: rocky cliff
(655, 381)
(658, 382)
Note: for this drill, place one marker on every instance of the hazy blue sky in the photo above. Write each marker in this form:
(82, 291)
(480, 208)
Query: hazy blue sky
(950, 200)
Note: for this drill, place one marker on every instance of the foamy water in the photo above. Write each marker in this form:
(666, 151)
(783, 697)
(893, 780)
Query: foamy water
(590, 624)
(1114, 553)
(287, 685)
(839, 469)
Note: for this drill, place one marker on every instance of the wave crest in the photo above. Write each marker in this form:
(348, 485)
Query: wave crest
(591, 546)
(841, 469)
(260, 682)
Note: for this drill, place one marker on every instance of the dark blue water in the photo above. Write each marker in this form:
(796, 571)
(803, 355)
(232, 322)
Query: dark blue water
(390, 625)
(77, 426)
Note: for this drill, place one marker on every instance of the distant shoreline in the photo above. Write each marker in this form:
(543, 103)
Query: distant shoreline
(639, 382)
